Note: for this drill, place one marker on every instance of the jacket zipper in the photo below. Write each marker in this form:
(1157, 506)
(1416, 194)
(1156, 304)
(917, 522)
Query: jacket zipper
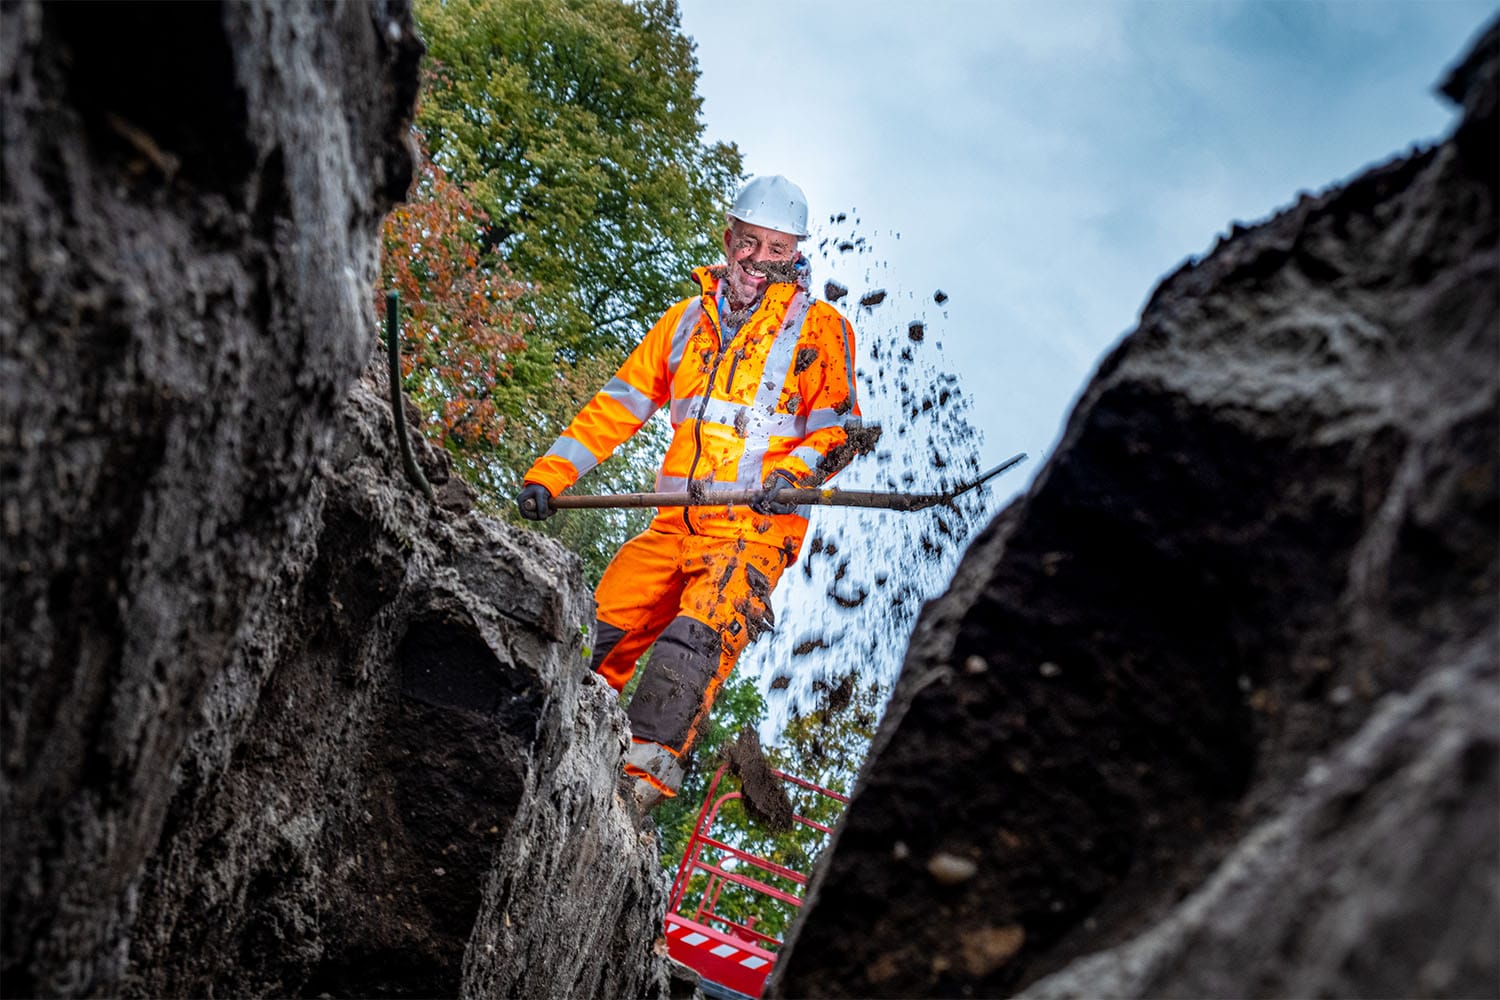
(729, 379)
(687, 512)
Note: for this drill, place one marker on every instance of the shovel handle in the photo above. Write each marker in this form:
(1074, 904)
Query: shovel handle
(824, 496)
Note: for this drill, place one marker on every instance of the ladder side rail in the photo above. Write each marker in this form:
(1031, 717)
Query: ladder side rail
(692, 858)
(692, 862)
(713, 905)
(803, 782)
(704, 902)
(679, 884)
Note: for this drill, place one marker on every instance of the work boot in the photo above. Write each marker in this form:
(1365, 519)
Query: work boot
(647, 796)
(653, 766)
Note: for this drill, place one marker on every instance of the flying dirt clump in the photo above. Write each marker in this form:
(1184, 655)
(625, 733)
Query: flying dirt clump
(765, 799)
(863, 609)
(860, 596)
(839, 695)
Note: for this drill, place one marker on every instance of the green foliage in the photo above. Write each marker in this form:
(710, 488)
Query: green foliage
(538, 415)
(565, 198)
(574, 124)
(828, 746)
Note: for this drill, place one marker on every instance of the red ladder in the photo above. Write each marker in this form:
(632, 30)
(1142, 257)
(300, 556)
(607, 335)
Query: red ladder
(736, 958)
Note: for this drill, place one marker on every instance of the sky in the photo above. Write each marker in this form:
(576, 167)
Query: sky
(1045, 165)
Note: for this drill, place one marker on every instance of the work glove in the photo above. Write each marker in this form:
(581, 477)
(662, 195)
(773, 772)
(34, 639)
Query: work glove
(535, 502)
(765, 501)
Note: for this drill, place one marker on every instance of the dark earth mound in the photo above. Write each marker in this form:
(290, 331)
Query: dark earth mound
(273, 724)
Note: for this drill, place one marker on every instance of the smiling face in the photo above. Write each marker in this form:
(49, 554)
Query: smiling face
(746, 247)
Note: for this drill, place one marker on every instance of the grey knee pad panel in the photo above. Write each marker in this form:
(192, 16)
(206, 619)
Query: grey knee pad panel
(606, 638)
(685, 660)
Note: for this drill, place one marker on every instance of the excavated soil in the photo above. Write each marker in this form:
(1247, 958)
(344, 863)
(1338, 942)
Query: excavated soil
(765, 798)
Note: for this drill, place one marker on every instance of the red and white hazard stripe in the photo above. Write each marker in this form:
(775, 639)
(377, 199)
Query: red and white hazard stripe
(735, 963)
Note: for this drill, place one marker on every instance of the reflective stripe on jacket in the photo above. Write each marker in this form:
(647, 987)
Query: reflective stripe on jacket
(780, 396)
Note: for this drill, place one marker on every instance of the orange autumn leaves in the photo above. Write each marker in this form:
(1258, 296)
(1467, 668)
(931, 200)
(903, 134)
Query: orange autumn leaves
(461, 324)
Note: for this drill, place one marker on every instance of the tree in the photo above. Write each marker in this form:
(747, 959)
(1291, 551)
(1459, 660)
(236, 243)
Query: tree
(488, 383)
(570, 130)
(574, 124)
(461, 332)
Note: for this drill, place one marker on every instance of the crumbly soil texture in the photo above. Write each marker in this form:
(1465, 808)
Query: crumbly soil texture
(765, 797)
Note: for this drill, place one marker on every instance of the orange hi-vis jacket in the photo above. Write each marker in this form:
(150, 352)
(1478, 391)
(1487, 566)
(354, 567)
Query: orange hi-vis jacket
(779, 397)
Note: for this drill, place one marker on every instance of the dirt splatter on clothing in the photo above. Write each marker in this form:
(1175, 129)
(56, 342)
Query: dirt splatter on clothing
(861, 441)
(775, 270)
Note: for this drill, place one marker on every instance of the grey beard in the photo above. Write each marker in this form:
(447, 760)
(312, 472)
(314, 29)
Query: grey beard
(733, 319)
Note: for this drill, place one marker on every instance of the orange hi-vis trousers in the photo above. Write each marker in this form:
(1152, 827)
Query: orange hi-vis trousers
(701, 600)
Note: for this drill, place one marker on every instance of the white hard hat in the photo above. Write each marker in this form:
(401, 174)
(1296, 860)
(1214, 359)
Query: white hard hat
(773, 202)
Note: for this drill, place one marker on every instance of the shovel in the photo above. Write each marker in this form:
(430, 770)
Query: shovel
(822, 496)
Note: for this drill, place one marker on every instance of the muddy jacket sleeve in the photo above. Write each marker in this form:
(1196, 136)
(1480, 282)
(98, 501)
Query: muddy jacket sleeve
(830, 401)
(626, 402)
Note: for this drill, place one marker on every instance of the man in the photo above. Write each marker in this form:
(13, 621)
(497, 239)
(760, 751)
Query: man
(760, 380)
